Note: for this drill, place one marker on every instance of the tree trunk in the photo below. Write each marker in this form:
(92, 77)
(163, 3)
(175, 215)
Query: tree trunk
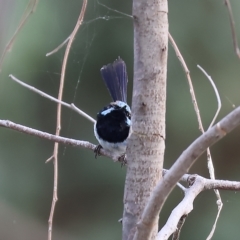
(145, 152)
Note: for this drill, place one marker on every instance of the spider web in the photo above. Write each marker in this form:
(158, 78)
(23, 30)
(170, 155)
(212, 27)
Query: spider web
(91, 28)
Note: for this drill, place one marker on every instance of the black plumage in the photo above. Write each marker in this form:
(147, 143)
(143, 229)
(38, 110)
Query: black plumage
(114, 121)
(113, 127)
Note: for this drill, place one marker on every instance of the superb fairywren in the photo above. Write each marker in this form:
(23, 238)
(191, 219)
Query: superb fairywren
(114, 120)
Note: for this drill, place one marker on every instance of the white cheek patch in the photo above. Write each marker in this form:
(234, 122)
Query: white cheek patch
(119, 104)
(128, 122)
(123, 104)
(107, 111)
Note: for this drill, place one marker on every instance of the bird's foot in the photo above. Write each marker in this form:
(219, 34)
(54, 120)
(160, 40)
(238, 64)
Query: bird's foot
(97, 150)
(123, 160)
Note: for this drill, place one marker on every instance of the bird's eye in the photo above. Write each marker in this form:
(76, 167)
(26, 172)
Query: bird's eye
(128, 114)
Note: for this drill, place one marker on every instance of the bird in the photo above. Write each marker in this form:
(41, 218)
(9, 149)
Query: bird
(112, 127)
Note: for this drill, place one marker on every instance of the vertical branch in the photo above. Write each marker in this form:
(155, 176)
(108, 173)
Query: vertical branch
(187, 72)
(196, 108)
(146, 144)
(59, 108)
(209, 156)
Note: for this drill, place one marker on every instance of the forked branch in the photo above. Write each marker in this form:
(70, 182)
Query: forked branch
(180, 167)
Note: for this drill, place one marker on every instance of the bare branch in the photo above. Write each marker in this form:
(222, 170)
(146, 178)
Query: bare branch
(59, 110)
(216, 93)
(209, 157)
(194, 100)
(183, 208)
(58, 47)
(43, 94)
(220, 206)
(232, 23)
(181, 187)
(199, 184)
(209, 184)
(181, 166)
(187, 72)
(54, 138)
(31, 7)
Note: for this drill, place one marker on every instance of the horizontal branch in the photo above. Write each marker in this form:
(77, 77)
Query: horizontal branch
(209, 184)
(196, 182)
(54, 138)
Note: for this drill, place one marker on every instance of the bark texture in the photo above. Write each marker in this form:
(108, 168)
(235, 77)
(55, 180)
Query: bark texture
(146, 145)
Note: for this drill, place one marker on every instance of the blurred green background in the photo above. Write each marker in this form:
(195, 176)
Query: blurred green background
(91, 191)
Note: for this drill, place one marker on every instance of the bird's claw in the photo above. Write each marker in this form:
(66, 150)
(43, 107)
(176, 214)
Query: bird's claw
(123, 160)
(97, 150)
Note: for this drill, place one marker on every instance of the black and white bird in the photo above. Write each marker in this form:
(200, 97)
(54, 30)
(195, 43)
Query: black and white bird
(113, 123)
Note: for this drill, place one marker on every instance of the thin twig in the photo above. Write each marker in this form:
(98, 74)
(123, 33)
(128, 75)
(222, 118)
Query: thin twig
(180, 167)
(216, 93)
(59, 108)
(43, 94)
(58, 47)
(181, 187)
(187, 72)
(54, 138)
(220, 205)
(232, 23)
(194, 100)
(79, 111)
(209, 157)
(31, 7)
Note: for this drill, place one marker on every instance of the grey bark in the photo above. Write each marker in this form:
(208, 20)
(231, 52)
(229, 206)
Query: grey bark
(145, 152)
